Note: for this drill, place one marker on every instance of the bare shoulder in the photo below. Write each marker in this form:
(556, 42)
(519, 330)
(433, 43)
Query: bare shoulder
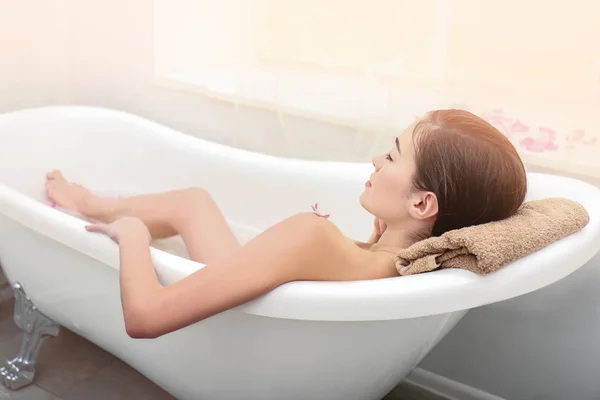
(324, 253)
(305, 233)
(309, 219)
(320, 227)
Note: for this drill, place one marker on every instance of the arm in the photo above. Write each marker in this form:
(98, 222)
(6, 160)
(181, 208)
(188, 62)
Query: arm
(303, 247)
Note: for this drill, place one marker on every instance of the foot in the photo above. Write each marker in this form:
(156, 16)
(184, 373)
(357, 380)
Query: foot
(65, 194)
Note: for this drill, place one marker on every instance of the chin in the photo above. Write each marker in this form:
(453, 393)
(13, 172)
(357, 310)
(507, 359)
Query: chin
(364, 202)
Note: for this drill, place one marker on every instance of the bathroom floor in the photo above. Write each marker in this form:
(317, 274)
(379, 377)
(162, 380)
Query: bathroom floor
(72, 368)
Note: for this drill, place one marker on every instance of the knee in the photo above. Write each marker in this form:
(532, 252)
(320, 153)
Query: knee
(196, 195)
(187, 202)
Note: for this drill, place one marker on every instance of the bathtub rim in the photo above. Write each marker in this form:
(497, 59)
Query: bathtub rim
(180, 138)
(414, 296)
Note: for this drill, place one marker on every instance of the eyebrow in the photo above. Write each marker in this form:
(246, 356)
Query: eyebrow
(398, 145)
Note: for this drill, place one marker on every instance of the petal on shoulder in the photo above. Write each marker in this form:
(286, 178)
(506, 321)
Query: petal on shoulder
(316, 225)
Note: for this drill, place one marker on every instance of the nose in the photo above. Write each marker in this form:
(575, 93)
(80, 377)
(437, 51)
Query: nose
(377, 162)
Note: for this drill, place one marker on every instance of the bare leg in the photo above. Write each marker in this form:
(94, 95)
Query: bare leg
(191, 213)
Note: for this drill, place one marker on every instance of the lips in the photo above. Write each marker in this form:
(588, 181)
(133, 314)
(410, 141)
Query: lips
(368, 184)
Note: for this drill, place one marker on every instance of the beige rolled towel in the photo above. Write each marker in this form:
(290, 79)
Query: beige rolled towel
(485, 248)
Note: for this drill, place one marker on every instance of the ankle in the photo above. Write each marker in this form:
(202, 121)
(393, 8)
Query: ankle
(92, 205)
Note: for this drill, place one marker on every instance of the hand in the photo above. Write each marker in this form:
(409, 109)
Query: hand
(380, 226)
(121, 227)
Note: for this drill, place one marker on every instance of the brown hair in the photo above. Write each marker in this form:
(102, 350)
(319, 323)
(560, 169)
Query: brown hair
(473, 169)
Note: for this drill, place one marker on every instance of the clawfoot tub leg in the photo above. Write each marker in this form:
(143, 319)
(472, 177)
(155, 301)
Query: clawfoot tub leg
(20, 371)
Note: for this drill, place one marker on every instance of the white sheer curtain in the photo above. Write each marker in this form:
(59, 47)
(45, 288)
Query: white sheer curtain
(530, 67)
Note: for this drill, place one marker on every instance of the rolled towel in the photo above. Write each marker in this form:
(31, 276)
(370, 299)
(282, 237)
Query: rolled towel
(485, 248)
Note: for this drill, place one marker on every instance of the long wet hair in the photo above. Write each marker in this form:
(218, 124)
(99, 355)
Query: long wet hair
(473, 169)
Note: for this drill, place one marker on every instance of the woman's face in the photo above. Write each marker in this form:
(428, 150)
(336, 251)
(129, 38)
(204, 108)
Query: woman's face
(388, 191)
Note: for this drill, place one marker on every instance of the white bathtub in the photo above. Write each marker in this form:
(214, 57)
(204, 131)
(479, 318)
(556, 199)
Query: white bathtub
(304, 340)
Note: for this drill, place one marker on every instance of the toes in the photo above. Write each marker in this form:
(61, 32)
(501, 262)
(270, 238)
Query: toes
(50, 188)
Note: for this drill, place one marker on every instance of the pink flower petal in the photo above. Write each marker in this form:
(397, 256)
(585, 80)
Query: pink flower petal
(551, 147)
(538, 146)
(518, 126)
(576, 135)
(531, 145)
(548, 133)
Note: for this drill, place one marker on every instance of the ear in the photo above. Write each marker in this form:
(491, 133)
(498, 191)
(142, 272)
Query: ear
(424, 205)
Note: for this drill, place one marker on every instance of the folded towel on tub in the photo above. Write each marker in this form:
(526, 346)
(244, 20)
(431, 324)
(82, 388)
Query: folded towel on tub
(485, 248)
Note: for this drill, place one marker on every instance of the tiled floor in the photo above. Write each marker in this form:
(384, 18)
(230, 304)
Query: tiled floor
(72, 368)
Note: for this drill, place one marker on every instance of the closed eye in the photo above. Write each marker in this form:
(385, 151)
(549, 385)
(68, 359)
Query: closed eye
(388, 156)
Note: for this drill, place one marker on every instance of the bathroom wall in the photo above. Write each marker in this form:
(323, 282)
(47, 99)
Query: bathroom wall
(34, 54)
(375, 66)
(113, 65)
(541, 346)
(271, 76)
(101, 54)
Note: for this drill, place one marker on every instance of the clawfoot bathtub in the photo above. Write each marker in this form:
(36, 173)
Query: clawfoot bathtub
(304, 340)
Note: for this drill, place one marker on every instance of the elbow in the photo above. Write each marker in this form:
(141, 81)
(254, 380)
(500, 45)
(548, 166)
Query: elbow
(136, 331)
(139, 326)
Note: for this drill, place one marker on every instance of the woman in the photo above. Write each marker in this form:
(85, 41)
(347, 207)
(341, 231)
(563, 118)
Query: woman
(449, 170)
